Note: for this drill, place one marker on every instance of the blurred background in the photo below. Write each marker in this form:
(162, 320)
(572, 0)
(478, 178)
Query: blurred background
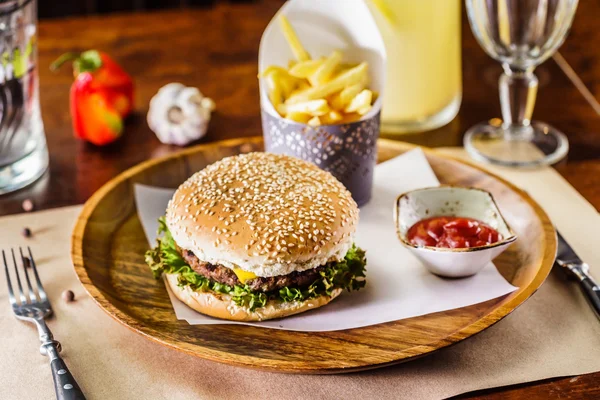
(64, 8)
(213, 45)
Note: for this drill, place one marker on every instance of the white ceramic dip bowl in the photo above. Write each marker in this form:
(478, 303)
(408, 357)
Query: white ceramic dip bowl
(416, 205)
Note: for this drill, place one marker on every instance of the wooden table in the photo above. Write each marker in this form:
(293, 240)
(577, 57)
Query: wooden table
(216, 49)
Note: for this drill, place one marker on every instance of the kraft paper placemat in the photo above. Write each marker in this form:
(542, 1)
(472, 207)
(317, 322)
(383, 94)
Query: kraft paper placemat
(555, 333)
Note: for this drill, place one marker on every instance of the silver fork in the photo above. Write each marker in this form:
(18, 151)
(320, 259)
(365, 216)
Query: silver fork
(34, 308)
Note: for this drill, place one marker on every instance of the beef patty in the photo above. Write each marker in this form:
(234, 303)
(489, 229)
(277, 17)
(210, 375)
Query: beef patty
(225, 275)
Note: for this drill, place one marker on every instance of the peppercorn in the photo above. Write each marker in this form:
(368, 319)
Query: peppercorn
(68, 296)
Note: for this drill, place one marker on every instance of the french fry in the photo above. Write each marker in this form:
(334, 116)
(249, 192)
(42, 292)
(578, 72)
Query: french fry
(363, 110)
(316, 108)
(326, 69)
(332, 117)
(341, 100)
(279, 77)
(344, 66)
(305, 69)
(304, 85)
(301, 87)
(290, 35)
(375, 96)
(297, 92)
(338, 83)
(335, 116)
(360, 102)
(314, 121)
(275, 91)
(288, 84)
(281, 109)
(298, 117)
(348, 118)
(272, 69)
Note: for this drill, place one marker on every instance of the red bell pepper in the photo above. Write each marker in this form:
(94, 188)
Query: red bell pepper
(101, 96)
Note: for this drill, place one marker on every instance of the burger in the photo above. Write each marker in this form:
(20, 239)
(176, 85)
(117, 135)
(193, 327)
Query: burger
(259, 236)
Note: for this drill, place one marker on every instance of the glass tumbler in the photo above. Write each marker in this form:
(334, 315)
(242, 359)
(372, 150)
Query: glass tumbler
(520, 34)
(423, 89)
(23, 152)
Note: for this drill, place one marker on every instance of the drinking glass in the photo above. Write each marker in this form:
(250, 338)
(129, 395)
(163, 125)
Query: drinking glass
(23, 152)
(521, 34)
(423, 88)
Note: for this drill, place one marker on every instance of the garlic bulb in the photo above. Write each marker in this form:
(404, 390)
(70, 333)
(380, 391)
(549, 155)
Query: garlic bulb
(179, 114)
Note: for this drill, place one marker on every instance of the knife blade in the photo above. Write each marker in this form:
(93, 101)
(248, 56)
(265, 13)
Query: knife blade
(579, 270)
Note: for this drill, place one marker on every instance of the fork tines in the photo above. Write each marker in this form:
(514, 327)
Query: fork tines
(33, 296)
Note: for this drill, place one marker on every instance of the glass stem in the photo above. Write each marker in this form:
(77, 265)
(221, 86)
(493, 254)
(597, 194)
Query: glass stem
(518, 89)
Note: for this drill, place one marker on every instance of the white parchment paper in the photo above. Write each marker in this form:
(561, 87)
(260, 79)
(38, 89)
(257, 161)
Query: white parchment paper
(398, 286)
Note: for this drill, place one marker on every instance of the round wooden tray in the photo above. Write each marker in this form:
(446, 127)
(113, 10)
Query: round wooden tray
(108, 253)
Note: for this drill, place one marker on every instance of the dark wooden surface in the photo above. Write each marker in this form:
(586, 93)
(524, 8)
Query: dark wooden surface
(58, 9)
(216, 49)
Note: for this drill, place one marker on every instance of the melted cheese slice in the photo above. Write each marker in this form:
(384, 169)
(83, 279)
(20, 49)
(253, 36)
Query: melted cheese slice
(243, 276)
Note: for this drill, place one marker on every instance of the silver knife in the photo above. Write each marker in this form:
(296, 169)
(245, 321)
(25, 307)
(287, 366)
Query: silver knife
(579, 270)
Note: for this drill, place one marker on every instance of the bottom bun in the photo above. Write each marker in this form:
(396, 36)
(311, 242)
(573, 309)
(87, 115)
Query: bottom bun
(222, 306)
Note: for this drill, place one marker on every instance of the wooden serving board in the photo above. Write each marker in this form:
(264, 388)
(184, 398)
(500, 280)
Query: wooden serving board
(108, 253)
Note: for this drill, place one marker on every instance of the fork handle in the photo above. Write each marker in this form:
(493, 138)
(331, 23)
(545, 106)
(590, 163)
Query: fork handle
(65, 385)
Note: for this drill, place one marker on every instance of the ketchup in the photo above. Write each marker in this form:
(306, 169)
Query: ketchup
(452, 232)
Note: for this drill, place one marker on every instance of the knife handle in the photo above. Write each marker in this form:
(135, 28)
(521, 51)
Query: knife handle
(592, 291)
(581, 271)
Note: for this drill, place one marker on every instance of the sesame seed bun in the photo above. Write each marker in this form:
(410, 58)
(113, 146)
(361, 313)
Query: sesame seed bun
(221, 306)
(264, 213)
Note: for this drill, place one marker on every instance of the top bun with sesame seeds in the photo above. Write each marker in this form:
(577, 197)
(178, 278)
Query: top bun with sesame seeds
(263, 213)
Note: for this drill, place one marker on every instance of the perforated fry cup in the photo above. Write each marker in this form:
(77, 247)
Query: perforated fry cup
(348, 151)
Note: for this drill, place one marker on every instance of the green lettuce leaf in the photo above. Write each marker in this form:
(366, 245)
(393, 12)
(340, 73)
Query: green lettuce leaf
(348, 274)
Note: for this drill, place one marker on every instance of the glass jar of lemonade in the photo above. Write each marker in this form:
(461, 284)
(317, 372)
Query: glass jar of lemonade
(424, 82)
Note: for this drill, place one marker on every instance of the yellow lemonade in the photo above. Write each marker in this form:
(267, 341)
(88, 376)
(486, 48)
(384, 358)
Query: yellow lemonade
(424, 82)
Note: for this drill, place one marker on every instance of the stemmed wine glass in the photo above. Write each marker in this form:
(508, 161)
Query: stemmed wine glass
(521, 34)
